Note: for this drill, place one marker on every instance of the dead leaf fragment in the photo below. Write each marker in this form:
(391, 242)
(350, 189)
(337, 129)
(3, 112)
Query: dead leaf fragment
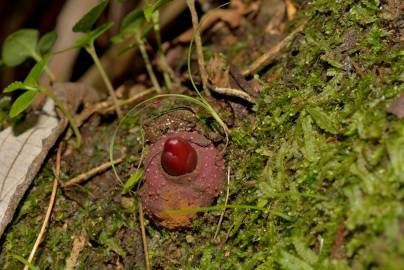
(78, 246)
(22, 154)
(232, 16)
(397, 107)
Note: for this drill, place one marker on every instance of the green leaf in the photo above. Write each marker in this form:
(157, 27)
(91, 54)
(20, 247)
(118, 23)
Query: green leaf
(150, 9)
(91, 36)
(22, 102)
(133, 180)
(133, 21)
(25, 262)
(46, 42)
(88, 20)
(36, 71)
(323, 120)
(15, 86)
(19, 46)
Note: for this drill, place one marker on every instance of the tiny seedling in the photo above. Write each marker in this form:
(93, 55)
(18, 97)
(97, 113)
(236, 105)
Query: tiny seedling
(24, 44)
(132, 27)
(32, 88)
(152, 15)
(85, 25)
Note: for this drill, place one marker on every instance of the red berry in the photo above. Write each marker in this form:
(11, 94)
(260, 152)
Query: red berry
(178, 157)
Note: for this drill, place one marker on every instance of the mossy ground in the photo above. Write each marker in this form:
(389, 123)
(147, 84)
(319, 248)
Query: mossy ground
(322, 151)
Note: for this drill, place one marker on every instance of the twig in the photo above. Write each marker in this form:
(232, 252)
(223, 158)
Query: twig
(271, 55)
(233, 92)
(50, 206)
(198, 43)
(87, 175)
(108, 105)
(225, 204)
(144, 239)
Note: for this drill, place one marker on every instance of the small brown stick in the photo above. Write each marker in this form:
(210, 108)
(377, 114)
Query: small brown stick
(358, 69)
(225, 204)
(271, 55)
(198, 44)
(107, 106)
(50, 206)
(233, 93)
(87, 175)
(144, 239)
(290, 9)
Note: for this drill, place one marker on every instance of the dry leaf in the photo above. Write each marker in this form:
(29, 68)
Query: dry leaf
(397, 107)
(21, 158)
(232, 16)
(22, 155)
(290, 9)
(78, 245)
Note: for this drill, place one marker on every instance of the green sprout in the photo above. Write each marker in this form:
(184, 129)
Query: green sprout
(85, 25)
(32, 88)
(132, 27)
(152, 14)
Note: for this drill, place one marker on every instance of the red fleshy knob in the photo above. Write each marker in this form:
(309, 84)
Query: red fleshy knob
(178, 157)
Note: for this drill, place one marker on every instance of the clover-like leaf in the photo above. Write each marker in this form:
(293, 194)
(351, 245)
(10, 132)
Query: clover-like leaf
(88, 20)
(19, 46)
(91, 36)
(47, 41)
(22, 102)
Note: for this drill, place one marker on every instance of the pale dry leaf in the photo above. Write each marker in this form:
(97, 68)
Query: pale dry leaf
(233, 16)
(78, 245)
(21, 158)
(22, 155)
(290, 9)
(397, 107)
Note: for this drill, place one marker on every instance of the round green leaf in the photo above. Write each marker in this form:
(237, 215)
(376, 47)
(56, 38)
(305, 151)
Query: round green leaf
(47, 41)
(19, 46)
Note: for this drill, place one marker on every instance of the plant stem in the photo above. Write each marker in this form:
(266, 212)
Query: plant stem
(49, 72)
(156, 27)
(65, 112)
(198, 43)
(148, 64)
(91, 50)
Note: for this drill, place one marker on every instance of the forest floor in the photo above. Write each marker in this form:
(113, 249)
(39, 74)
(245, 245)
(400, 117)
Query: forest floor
(317, 162)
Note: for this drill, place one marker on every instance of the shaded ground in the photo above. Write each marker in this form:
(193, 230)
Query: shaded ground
(322, 159)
